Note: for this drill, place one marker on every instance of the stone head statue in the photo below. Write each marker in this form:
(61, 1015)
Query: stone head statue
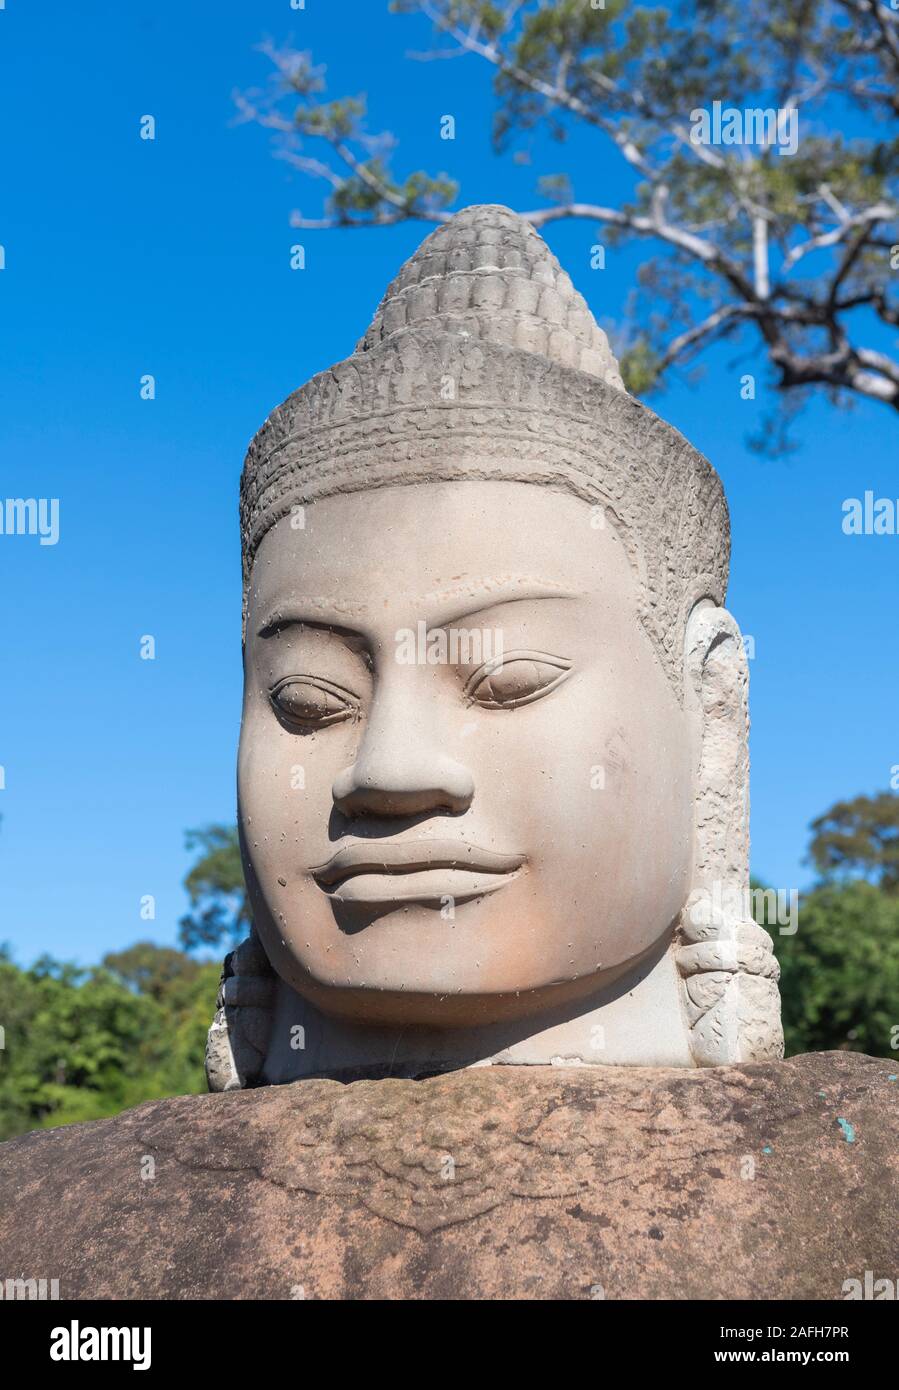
(493, 770)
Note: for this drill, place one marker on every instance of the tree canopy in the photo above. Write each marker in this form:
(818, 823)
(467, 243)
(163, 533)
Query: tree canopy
(839, 983)
(794, 254)
(81, 1044)
(215, 886)
(859, 838)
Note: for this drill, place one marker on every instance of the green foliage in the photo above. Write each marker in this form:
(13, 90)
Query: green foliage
(82, 1044)
(859, 838)
(639, 366)
(556, 188)
(215, 886)
(840, 972)
(332, 120)
(151, 969)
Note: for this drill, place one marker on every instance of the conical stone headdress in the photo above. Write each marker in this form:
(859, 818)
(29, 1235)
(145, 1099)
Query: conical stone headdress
(483, 362)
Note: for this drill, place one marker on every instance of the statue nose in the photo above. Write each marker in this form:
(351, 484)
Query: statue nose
(399, 771)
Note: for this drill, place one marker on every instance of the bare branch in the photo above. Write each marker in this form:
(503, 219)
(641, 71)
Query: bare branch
(738, 223)
(702, 332)
(880, 212)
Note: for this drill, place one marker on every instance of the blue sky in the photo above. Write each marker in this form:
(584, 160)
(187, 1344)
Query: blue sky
(126, 257)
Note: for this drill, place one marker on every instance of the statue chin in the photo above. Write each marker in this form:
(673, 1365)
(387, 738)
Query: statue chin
(635, 1020)
(521, 1006)
(493, 767)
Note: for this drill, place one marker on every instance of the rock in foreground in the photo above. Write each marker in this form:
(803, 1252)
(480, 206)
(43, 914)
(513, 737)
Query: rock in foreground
(774, 1180)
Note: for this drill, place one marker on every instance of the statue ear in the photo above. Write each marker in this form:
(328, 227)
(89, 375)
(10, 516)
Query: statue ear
(726, 960)
(238, 1038)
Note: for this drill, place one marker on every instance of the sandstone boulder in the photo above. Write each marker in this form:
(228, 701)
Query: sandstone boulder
(771, 1180)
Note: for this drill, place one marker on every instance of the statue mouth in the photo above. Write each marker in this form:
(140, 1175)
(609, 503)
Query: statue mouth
(414, 871)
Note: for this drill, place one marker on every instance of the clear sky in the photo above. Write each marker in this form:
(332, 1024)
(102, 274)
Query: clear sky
(126, 257)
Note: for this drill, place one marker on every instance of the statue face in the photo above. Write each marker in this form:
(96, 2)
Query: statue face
(465, 782)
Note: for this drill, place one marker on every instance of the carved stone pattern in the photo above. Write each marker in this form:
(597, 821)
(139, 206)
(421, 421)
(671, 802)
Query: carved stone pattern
(378, 420)
(727, 960)
(483, 361)
(488, 274)
(581, 1183)
(387, 1143)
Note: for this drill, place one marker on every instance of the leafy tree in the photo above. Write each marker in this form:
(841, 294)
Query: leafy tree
(151, 969)
(216, 889)
(81, 1044)
(789, 256)
(859, 837)
(840, 972)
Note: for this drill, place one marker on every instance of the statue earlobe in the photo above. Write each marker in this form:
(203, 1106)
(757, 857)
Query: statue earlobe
(725, 959)
(237, 1041)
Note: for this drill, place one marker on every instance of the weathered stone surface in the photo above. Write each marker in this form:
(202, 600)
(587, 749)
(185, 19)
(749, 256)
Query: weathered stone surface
(479, 446)
(521, 1182)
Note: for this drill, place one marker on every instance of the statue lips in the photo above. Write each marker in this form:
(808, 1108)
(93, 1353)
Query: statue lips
(414, 871)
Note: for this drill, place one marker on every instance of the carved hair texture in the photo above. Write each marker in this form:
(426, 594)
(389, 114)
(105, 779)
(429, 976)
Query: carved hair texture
(483, 362)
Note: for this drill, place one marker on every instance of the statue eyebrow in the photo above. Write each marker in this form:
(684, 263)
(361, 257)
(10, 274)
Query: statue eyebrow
(339, 617)
(329, 618)
(503, 586)
(495, 600)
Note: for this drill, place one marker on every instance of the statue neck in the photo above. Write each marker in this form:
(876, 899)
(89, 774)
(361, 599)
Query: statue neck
(637, 1021)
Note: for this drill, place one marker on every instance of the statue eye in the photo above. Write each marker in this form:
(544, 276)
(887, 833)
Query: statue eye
(312, 703)
(516, 678)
